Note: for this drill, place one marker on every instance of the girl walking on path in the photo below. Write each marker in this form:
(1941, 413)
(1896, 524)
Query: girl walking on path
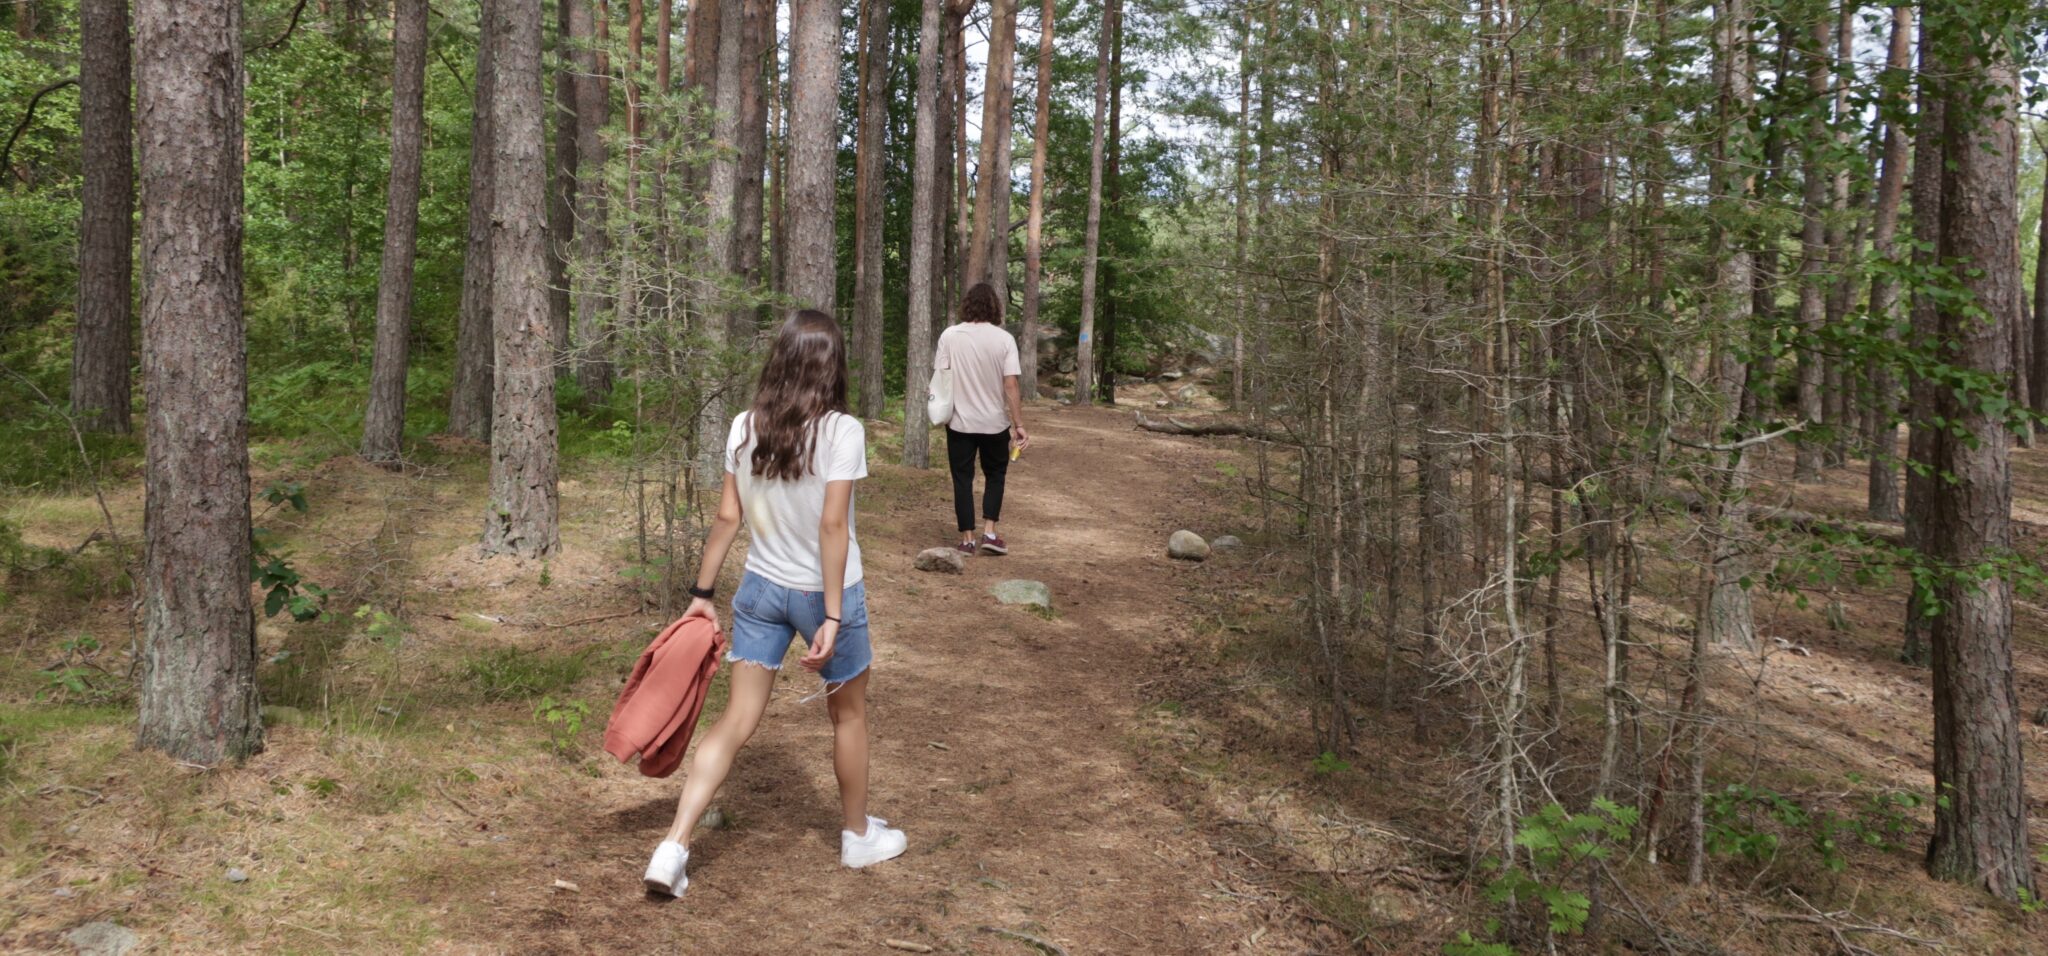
(791, 461)
(987, 413)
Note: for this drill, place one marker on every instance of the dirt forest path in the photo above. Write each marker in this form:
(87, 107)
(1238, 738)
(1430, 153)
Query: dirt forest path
(1002, 745)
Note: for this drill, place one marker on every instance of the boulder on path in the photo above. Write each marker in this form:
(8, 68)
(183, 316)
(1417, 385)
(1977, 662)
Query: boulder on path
(1228, 542)
(1031, 595)
(1186, 545)
(101, 938)
(941, 560)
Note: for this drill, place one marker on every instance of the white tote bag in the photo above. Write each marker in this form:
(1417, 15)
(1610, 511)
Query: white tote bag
(938, 402)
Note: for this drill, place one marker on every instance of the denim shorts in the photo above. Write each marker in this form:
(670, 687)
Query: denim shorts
(765, 615)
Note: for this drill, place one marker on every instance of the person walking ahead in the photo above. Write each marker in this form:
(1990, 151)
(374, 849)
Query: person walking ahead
(987, 413)
(790, 464)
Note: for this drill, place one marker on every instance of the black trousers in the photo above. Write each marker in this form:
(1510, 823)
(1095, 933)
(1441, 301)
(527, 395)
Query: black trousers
(961, 449)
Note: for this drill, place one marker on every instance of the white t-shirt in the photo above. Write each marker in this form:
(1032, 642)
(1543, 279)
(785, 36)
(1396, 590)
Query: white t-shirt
(980, 355)
(783, 515)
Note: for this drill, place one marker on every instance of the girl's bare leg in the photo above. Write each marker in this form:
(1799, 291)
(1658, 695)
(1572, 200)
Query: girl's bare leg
(848, 707)
(746, 700)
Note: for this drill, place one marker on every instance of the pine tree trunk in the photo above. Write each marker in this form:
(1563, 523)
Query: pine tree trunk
(1034, 228)
(1112, 200)
(521, 518)
(813, 153)
(1881, 434)
(384, 420)
(868, 213)
(956, 146)
(1921, 390)
(2038, 364)
(593, 239)
(562, 194)
(757, 18)
(924, 226)
(1813, 251)
(198, 695)
(1980, 820)
(469, 400)
(992, 169)
(1084, 362)
(721, 237)
(101, 350)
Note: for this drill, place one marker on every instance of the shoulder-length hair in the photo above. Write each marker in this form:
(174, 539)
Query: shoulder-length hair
(803, 381)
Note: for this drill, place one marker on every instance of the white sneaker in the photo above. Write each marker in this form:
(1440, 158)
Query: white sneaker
(665, 872)
(880, 843)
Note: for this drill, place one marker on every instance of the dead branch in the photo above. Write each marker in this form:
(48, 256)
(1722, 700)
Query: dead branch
(29, 116)
(1026, 938)
(1174, 426)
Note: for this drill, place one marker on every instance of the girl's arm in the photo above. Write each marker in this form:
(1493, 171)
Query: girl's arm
(724, 528)
(833, 545)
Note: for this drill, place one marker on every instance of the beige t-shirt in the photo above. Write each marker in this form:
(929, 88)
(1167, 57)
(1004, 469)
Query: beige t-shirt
(980, 354)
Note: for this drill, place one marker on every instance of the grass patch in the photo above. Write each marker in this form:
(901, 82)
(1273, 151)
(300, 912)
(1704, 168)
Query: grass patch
(511, 673)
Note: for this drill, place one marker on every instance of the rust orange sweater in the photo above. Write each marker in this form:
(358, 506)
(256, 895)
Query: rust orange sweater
(657, 711)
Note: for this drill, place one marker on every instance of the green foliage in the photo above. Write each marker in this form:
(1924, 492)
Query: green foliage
(1329, 763)
(1754, 824)
(1559, 849)
(284, 589)
(564, 723)
(380, 625)
(510, 673)
(78, 677)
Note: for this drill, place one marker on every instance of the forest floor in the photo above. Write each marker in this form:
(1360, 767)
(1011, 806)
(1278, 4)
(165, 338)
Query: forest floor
(1132, 774)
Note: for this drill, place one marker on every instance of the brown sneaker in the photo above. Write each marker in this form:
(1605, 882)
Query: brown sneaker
(966, 548)
(993, 545)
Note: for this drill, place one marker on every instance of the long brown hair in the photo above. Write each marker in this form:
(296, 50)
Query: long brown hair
(803, 381)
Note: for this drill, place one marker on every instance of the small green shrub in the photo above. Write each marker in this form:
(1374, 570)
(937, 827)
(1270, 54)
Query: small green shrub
(564, 723)
(510, 673)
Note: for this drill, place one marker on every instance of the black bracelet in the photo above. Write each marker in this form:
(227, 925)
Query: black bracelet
(831, 618)
(705, 593)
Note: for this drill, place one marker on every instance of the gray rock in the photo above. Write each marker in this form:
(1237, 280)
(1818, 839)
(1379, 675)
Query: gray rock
(1186, 545)
(238, 876)
(65, 892)
(101, 938)
(1171, 376)
(1228, 542)
(941, 560)
(713, 819)
(1028, 594)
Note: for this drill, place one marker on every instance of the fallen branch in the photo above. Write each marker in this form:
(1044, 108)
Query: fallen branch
(1026, 938)
(1174, 426)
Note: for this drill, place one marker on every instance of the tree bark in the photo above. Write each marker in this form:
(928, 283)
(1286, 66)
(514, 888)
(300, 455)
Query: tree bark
(1084, 361)
(813, 153)
(1813, 250)
(198, 695)
(924, 226)
(521, 518)
(1880, 428)
(1034, 229)
(867, 205)
(562, 196)
(469, 400)
(992, 169)
(101, 350)
(2038, 361)
(1980, 816)
(1921, 390)
(593, 239)
(757, 23)
(384, 420)
(1112, 199)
